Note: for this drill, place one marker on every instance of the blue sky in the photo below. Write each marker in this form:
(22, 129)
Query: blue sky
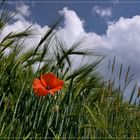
(93, 22)
(111, 27)
(45, 12)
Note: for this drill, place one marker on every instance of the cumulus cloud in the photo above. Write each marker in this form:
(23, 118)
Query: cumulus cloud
(73, 26)
(20, 23)
(23, 9)
(121, 38)
(102, 12)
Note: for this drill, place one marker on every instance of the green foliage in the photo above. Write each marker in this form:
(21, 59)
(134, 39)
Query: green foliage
(87, 107)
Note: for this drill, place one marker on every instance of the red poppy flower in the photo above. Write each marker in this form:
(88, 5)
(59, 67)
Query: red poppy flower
(48, 83)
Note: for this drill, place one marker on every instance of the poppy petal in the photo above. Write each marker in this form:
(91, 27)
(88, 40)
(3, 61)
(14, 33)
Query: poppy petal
(39, 89)
(46, 79)
(51, 80)
(56, 83)
(55, 89)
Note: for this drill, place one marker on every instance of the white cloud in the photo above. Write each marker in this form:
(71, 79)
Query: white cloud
(73, 26)
(21, 24)
(23, 9)
(121, 38)
(102, 12)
